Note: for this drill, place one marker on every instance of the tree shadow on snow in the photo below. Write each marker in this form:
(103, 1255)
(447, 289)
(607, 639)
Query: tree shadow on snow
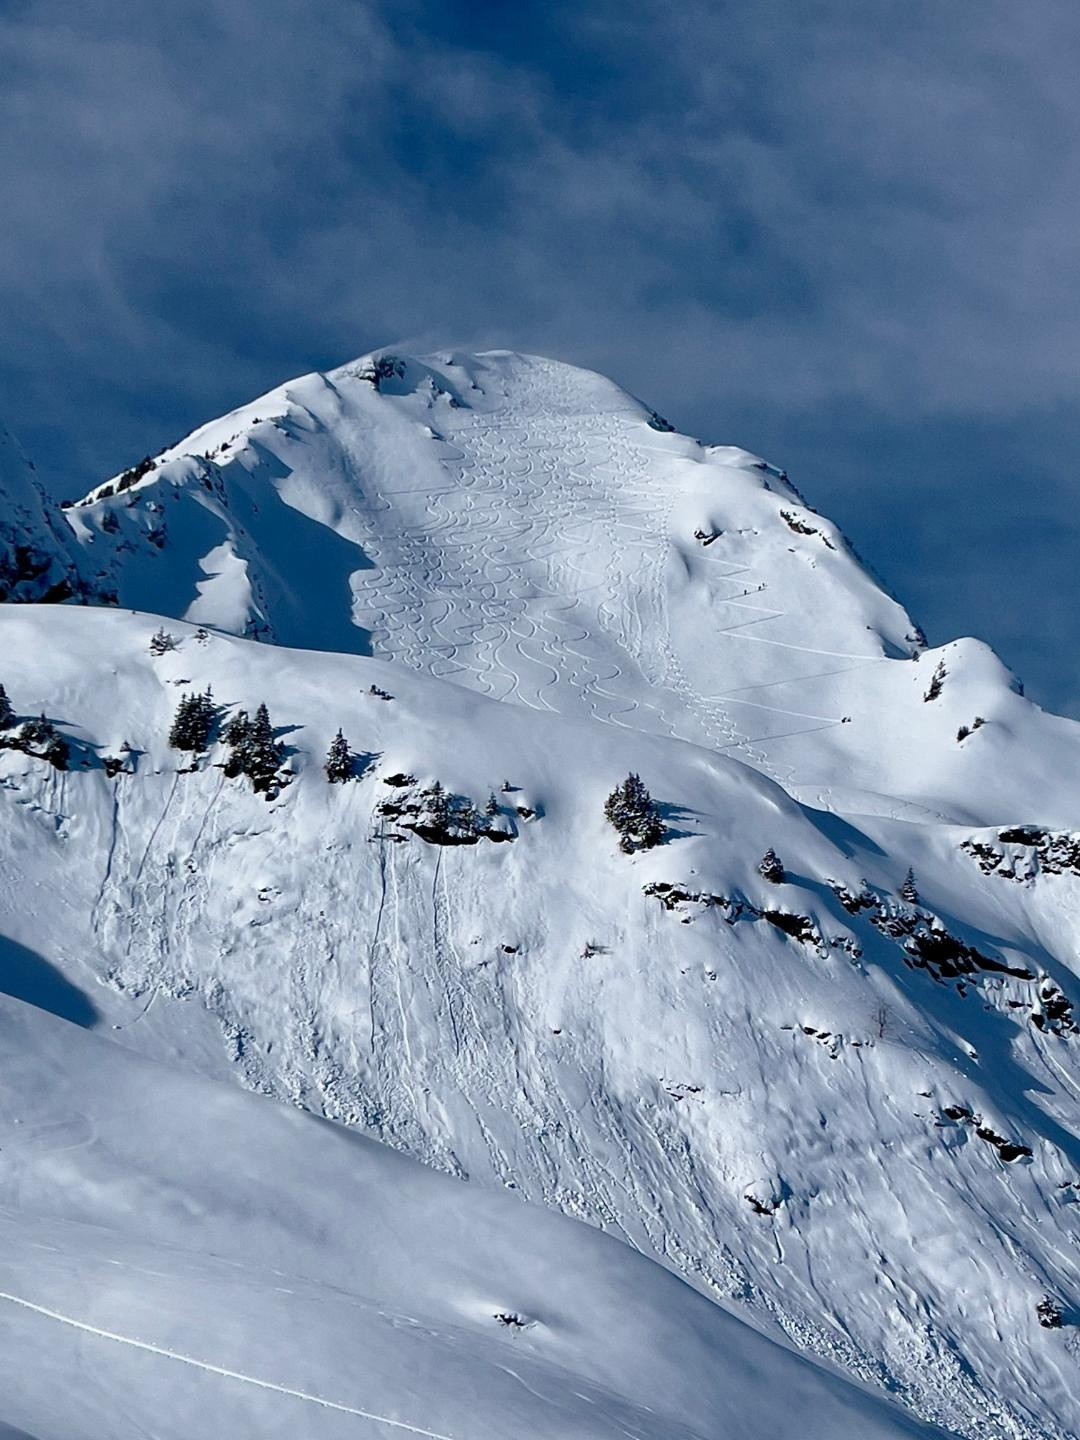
(25, 976)
(847, 838)
(671, 816)
(363, 761)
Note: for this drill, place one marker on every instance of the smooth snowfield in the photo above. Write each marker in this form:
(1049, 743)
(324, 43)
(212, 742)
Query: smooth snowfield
(767, 1115)
(182, 1260)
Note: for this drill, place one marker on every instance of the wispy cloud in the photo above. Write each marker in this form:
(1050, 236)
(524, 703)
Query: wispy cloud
(816, 229)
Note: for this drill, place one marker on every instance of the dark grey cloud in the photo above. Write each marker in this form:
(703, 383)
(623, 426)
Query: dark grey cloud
(841, 235)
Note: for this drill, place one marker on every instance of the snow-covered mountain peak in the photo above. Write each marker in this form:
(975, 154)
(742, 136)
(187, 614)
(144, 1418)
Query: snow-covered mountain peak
(532, 532)
(814, 1048)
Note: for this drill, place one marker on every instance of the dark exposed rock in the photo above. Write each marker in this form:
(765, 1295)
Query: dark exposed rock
(799, 927)
(1046, 851)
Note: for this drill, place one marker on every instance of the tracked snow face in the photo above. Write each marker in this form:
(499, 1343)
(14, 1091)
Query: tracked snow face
(534, 534)
(36, 561)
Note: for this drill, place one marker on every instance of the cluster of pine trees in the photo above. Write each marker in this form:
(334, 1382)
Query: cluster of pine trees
(37, 736)
(194, 723)
(252, 749)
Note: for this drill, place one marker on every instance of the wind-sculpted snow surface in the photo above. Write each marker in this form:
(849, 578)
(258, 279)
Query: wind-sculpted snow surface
(849, 1111)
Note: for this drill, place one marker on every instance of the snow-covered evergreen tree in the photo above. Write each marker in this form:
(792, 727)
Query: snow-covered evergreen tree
(238, 729)
(635, 815)
(263, 753)
(193, 724)
(161, 642)
(437, 807)
(7, 713)
(182, 730)
(909, 891)
(237, 734)
(40, 737)
(937, 682)
(772, 867)
(339, 761)
(36, 732)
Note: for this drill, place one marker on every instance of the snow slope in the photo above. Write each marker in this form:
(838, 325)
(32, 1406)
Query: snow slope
(535, 534)
(181, 1260)
(811, 1127)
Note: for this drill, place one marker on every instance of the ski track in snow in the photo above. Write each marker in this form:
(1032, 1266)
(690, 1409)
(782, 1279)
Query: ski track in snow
(223, 1371)
(496, 588)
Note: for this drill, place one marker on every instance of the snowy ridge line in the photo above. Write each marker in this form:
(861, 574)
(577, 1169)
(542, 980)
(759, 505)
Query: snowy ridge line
(220, 1369)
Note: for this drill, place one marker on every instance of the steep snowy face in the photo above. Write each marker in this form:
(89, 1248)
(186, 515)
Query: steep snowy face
(841, 1098)
(36, 554)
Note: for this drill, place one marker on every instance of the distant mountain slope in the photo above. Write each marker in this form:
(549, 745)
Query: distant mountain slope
(36, 553)
(535, 534)
(850, 1111)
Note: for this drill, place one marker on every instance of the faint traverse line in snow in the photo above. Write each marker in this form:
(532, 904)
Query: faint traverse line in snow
(222, 1370)
(780, 710)
(733, 631)
(793, 680)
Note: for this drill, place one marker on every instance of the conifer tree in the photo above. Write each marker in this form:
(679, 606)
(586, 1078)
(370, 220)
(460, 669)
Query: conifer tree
(909, 891)
(193, 723)
(39, 731)
(40, 737)
(339, 761)
(205, 717)
(937, 682)
(772, 867)
(237, 734)
(180, 731)
(161, 642)
(635, 815)
(263, 753)
(7, 713)
(437, 805)
(238, 728)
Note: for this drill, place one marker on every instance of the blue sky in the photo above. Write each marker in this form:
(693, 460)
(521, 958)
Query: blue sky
(844, 236)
